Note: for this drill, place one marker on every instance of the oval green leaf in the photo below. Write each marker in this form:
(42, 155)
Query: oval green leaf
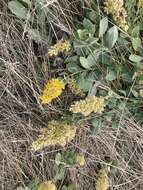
(18, 9)
(111, 37)
(85, 63)
(103, 26)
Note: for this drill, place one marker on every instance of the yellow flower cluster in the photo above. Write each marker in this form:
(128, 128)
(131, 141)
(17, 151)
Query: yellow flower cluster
(52, 90)
(47, 185)
(140, 3)
(118, 12)
(103, 179)
(75, 89)
(56, 133)
(88, 105)
(80, 159)
(61, 46)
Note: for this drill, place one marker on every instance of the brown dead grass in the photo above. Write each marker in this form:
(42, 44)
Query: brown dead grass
(126, 148)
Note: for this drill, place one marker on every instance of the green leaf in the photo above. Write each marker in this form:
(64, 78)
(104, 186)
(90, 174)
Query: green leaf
(136, 31)
(105, 58)
(58, 159)
(135, 58)
(93, 57)
(114, 167)
(93, 16)
(135, 93)
(88, 25)
(85, 63)
(69, 157)
(85, 47)
(71, 59)
(73, 67)
(84, 82)
(33, 184)
(136, 61)
(111, 75)
(115, 125)
(111, 37)
(28, 2)
(18, 9)
(109, 116)
(136, 43)
(95, 126)
(123, 41)
(140, 77)
(103, 26)
(83, 34)
(60, 173)
(64, 188)
(93, 90)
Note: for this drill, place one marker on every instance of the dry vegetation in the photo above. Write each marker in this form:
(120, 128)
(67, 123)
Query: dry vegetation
(23, 72)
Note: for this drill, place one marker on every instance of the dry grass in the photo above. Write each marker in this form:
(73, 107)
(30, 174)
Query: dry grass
(21, 117)
(126, 148)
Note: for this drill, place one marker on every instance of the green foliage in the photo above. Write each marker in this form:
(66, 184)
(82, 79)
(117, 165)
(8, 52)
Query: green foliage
(64, 159)
(37, 17)
(21, 9)
(103, 26)
(18, 9)
(136, 43)
(103, 53)
(32, 185)
(69, 187)
(135, 58)
(111, 37)
(96, 126)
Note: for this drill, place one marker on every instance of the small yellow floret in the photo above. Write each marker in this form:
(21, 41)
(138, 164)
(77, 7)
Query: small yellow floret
(88, 105)
(80, 159)
(47, 185)
(75, 89)
(103, 179)
(57, 132)
(61, 46)
(52, 90)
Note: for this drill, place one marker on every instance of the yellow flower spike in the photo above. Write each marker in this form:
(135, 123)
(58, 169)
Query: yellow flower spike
(52, 90)
(140, 4)
(57, 133)
(80, 159)
(88, 105)
(47, 185)
(75, 89)
(61, 46)
(103, 179)
(118, 12)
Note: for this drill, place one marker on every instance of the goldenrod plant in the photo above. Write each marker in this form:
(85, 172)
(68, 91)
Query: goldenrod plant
(140, 3)
(74, 87)
(103, 181)
(118, 12)
(52, 90)
(80, 159)
(88, 105)
(60, 46)
(57, 133)
(47, 185)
